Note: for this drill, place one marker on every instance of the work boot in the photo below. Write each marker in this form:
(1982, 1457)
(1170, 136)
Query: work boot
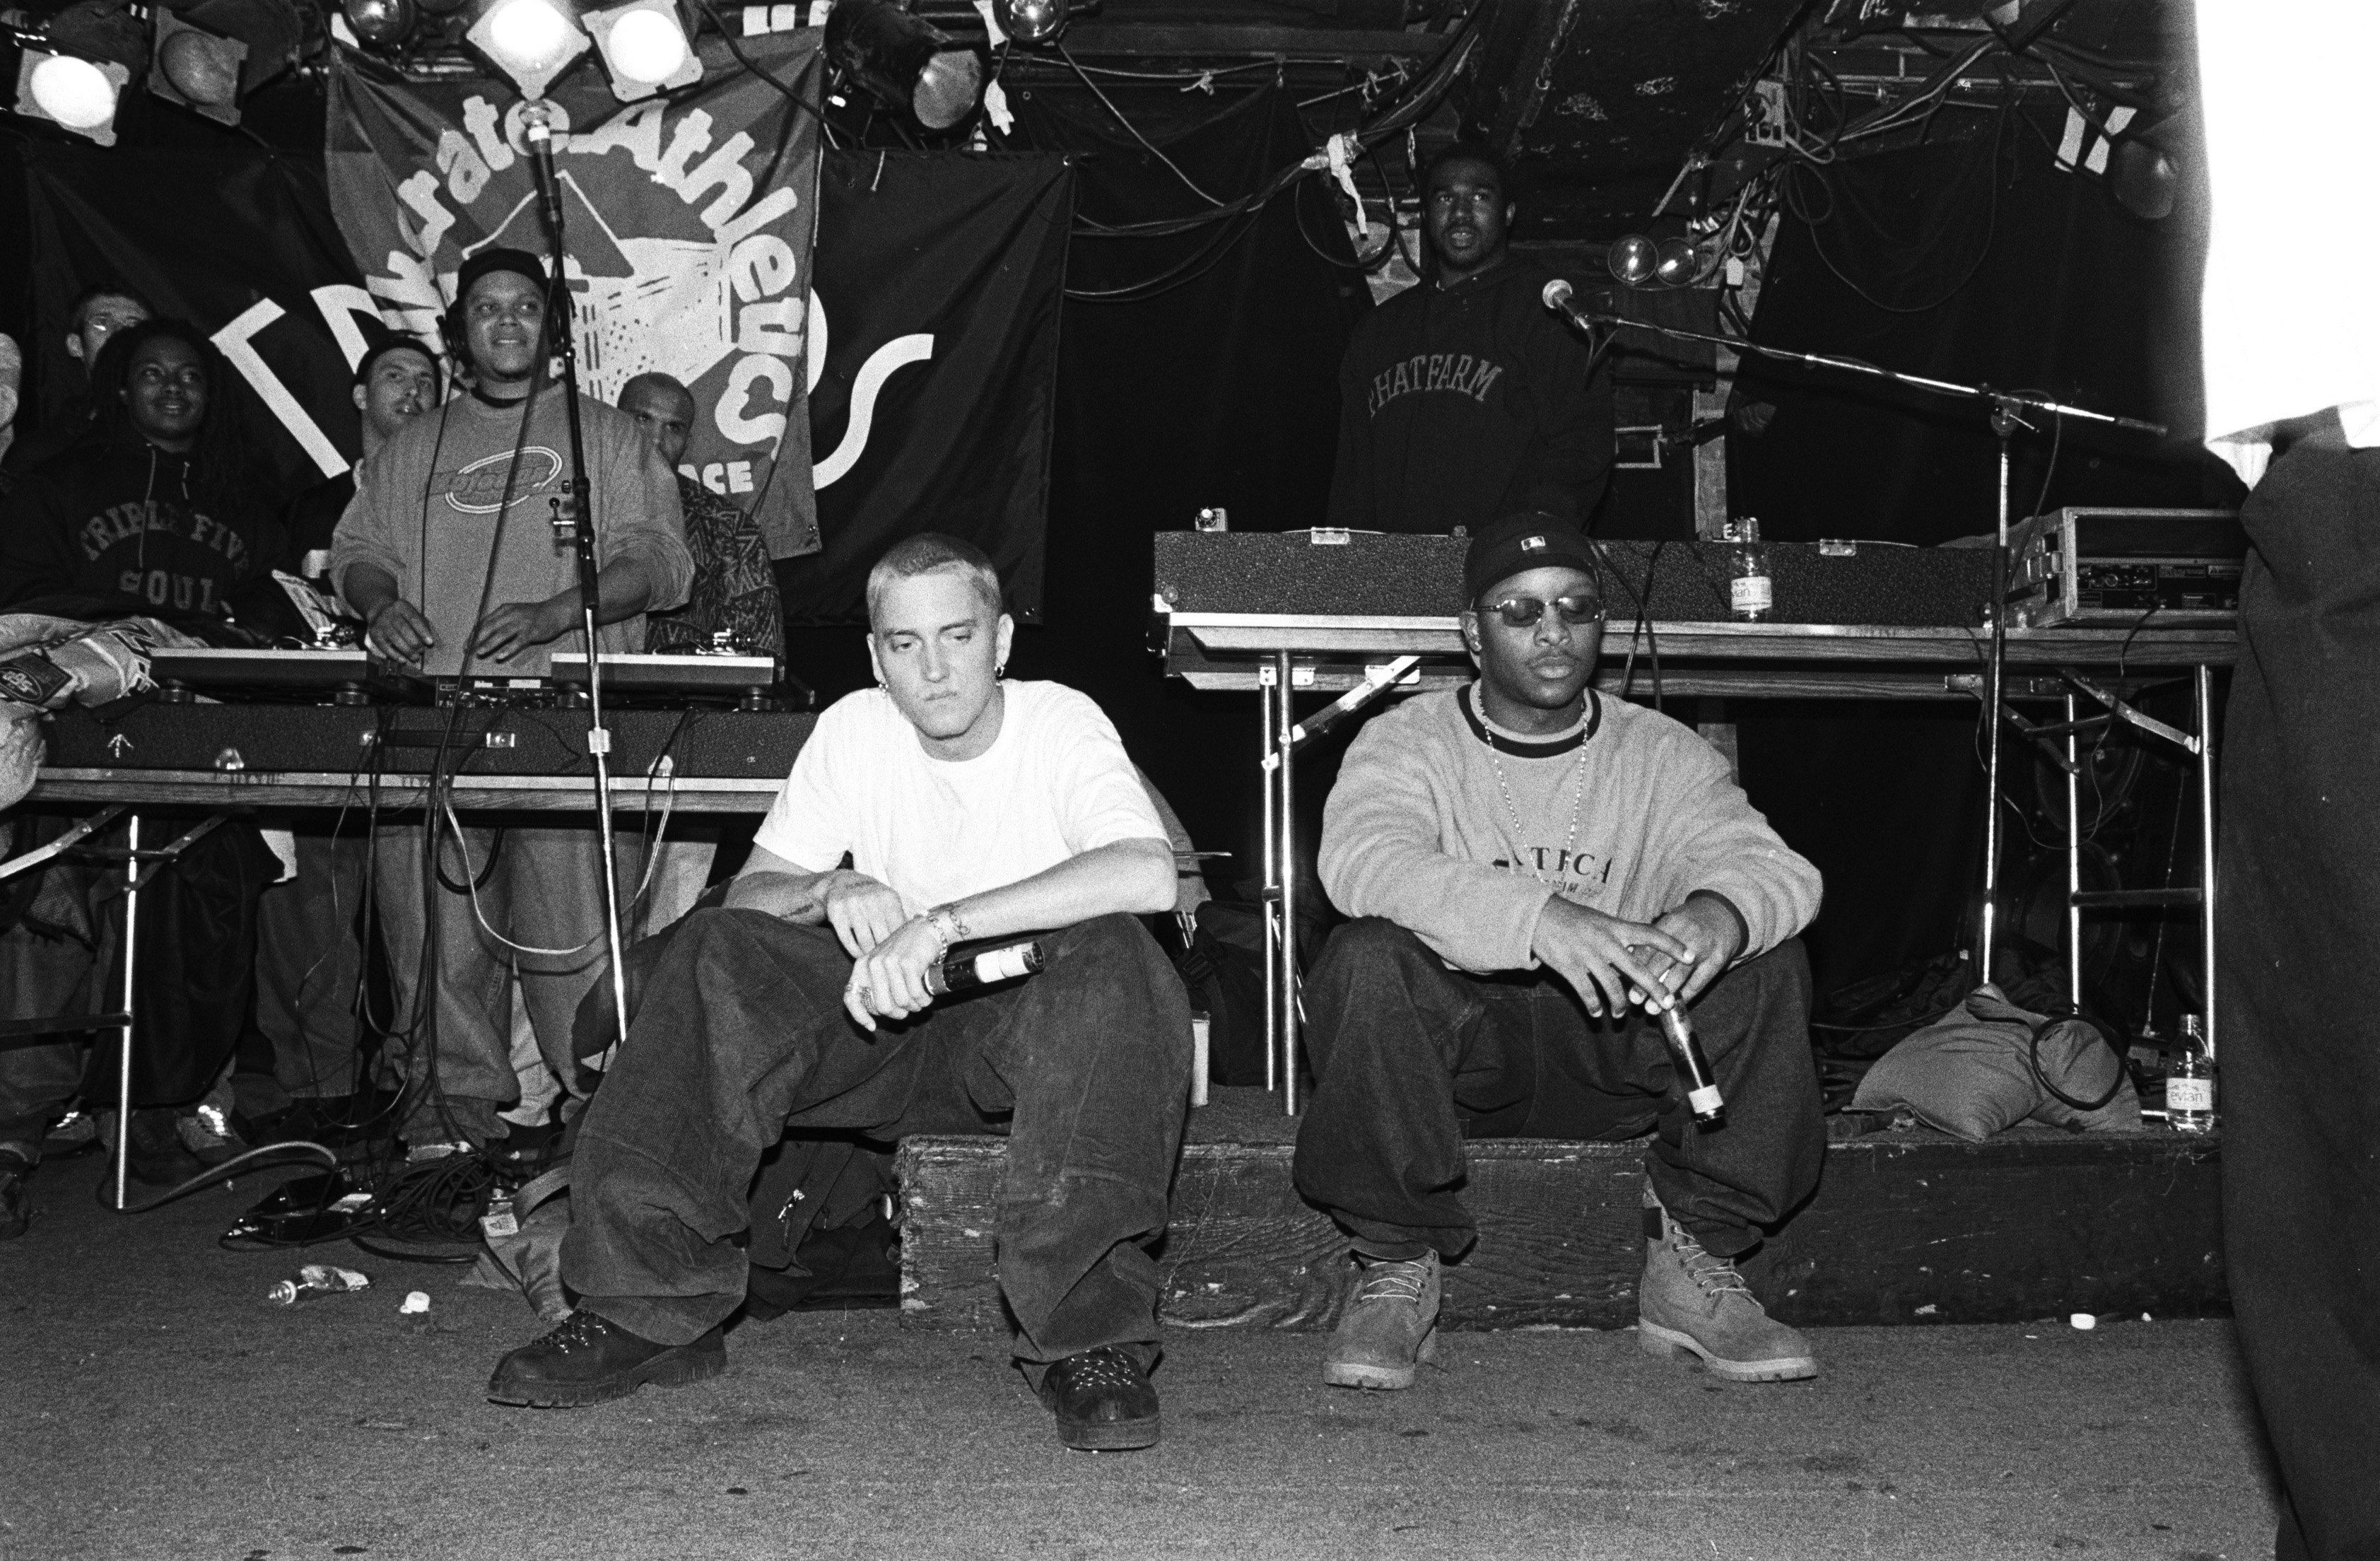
(1390, 1323)
(1691, 1302)
(1103, 1401)
(588, 1359)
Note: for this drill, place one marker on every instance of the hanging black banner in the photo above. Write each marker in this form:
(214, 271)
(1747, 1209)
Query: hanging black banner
(936, 301)
(243, 247)
(936, 293)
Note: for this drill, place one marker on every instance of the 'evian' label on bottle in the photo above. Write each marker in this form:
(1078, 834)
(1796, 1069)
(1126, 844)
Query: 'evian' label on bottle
(2188, 1094)
(1750, 593)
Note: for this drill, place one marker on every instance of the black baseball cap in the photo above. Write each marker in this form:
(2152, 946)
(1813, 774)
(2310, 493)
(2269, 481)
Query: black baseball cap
(1529, 541)
(487, 262)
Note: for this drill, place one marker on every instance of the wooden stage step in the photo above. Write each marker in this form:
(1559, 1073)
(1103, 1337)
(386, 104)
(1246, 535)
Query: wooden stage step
(1909, 1227)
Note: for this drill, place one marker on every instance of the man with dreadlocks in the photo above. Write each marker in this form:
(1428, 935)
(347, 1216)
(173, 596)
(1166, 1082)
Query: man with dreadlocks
(157, 510)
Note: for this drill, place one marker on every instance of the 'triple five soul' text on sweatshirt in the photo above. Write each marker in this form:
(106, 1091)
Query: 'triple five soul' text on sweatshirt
(116, 527)
(426, 511)
(1418, 830)
(1460, 405)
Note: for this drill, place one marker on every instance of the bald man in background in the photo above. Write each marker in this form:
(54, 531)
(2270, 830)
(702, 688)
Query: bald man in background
(734, 591)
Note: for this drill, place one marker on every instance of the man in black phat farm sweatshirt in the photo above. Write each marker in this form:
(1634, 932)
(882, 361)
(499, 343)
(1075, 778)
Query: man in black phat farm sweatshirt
(1534, 871)
(1463, 399)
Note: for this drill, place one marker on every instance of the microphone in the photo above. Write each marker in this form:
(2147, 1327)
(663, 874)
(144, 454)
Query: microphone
(1693, 1067)
(1557, 296)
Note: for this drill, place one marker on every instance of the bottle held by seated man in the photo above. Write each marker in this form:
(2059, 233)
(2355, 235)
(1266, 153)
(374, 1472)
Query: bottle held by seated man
(970, 808)
(1534, 874)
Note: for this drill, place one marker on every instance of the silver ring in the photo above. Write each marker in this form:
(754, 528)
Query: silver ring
(868, 999)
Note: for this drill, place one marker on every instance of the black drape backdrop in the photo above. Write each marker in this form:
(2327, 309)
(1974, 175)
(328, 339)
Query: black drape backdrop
(1974, 261)
(1219, 390)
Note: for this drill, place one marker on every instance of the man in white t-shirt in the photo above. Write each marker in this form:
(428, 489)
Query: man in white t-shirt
(968, 809)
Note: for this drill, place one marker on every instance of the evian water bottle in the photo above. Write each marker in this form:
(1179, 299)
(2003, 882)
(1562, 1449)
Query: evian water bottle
(1750, 594)
(2189, 1082)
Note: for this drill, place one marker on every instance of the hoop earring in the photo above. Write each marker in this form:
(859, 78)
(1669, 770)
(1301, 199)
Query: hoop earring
(999, 672)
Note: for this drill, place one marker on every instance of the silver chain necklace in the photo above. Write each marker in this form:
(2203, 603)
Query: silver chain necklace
(1578, 791)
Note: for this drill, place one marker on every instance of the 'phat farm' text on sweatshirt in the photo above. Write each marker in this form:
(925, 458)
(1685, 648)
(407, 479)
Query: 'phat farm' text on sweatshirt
(1460, 405)
(1418, 830)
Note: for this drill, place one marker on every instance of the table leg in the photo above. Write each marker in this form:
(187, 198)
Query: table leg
(1285, 715)
(2205, 691)
(1270, 905)
(2073, 860)
(123, 1048)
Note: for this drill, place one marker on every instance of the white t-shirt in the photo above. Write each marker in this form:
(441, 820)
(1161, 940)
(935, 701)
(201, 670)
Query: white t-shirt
(1054, 784)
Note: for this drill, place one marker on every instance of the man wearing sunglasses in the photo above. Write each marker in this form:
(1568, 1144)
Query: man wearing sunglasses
(1534, 873)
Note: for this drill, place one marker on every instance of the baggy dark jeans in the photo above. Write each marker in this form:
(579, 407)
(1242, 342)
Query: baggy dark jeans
(740, 1034)
(1412, 1058)
(2297, 902)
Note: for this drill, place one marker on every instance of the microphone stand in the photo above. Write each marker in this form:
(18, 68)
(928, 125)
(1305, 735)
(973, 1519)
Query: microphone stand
(2007, 416)
(537, 116)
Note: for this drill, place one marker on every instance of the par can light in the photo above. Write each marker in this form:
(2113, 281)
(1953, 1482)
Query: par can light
(1031, 21)
(78, 95)
(1634, 259)
(531, 42)
(1675, 262)
(383, 24)
(645, 48)
(904, 61)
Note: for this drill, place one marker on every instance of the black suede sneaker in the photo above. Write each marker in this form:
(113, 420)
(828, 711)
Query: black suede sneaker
(1103, 1401)
(587, 1360)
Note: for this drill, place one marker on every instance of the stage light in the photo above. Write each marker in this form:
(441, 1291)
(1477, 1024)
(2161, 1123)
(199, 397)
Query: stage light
(197, 68)
(75, 93)
(904, 61)
(1633, 259)
(644, 48)
(1675, 262)
(1031, 21)
(531, 42)
(382, 23)
(2145, 170)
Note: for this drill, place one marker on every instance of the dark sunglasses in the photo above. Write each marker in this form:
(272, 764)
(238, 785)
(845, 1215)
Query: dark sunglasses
(1521, 612)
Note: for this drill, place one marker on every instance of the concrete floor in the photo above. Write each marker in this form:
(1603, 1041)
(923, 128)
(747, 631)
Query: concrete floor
(154, 1407)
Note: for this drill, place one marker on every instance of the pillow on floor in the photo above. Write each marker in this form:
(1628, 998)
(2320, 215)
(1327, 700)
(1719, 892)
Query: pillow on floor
(1968, 1073)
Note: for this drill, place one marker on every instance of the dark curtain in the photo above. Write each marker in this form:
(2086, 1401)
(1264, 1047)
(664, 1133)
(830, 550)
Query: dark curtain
(969, 253)
(1980, 262)
(1220, 389)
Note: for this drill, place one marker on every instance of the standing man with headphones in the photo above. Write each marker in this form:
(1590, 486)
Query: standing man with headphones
(449, 556)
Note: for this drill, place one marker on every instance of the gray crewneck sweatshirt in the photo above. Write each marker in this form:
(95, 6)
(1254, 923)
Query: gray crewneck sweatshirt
(1421, 830)
(426, 506)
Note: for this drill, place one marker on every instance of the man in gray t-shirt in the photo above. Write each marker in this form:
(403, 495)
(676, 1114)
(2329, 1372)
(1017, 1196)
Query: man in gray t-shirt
(448, 556)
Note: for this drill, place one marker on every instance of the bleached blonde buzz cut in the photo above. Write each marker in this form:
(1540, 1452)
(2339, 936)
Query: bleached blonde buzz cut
(923, 554)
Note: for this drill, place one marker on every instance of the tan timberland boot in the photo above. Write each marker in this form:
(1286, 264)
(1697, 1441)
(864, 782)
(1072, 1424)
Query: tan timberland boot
(1390, 1323)
(1693, 1303)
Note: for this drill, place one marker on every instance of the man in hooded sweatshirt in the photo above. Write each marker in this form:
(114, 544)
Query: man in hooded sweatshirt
(1535, 872)
(156, 511)
(1463, 399)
